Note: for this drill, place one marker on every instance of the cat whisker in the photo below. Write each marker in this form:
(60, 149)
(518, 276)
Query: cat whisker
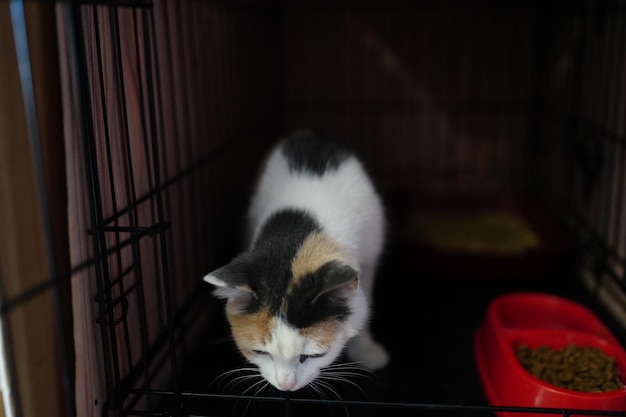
(347, 381)
(236, 377)
(317, 390)
(350, 366)
(319, 386)
(350, 374)
(356, 365)
(240, 381)
(259, 385)
(321, 382)
(343, 375)
(252, 379)
(223, 376)
(230, 372)
(351, 369)
(262, 388)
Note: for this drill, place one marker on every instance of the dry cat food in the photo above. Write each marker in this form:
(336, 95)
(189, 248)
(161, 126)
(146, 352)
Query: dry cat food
(485, 232)
(584, 369)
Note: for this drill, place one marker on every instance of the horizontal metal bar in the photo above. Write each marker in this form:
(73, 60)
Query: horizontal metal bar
(152, 230)
(35, 290)
(392, 404)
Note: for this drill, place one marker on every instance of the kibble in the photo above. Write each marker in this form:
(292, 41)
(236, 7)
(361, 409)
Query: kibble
(584, 369)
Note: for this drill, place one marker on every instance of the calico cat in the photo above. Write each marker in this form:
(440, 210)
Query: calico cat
(300, 292)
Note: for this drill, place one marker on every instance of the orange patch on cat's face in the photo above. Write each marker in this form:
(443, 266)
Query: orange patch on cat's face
(251, 330)
(317, 250)
(324, 333)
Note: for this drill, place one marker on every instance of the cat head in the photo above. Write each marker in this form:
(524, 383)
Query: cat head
(292, 317)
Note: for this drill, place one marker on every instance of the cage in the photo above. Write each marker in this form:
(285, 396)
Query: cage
(132, 131)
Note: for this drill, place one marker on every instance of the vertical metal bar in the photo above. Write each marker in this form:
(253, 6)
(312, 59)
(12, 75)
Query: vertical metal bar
(134, 215)
(607, 145)
(108, 320)
(620, 228)
(172, 109)
(129, 181)
(95, 204)
(18, 20)
(157, 99)
(613, 116)
(227, 51)
(109, 146)
(148, 30)
(579, 52)
(184, 127)
(287, 404)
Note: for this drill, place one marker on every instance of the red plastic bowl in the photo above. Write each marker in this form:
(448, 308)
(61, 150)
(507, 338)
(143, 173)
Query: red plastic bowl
(540, 319)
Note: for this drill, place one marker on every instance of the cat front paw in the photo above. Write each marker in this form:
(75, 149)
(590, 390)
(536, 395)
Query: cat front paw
(368, 353)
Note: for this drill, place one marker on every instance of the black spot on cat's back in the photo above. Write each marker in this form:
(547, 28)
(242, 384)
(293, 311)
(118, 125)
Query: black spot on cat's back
(280, 275)
(308, 152)
(269, 261)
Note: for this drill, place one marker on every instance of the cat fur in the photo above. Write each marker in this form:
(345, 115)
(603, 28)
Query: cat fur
(300, 292)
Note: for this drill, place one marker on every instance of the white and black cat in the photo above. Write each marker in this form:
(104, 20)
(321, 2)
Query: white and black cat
(300, 291)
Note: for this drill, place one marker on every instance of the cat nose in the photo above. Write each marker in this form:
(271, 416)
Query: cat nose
(287, 385)
(287, 381)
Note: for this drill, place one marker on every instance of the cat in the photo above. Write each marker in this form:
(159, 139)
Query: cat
(299, 295)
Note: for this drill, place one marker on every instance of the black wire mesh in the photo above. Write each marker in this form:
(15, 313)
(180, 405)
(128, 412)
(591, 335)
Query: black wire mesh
(150, 161)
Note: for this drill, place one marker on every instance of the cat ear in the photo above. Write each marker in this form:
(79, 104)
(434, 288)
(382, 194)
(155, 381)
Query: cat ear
(337, 276)
(229, 281)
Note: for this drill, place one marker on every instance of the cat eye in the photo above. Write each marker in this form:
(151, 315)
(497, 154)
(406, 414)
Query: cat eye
(260, 352)
(305, 357)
